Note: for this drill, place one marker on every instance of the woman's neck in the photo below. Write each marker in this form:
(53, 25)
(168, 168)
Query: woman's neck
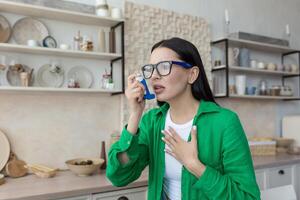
(183, 108)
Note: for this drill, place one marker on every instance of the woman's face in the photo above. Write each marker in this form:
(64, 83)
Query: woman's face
(168, 87)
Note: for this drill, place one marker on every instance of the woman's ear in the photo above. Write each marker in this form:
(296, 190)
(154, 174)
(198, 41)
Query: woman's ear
(194, 73)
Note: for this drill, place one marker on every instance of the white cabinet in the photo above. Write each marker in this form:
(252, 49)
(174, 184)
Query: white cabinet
(131, 194)
(86, 197)
(280, 176)
(275, 177)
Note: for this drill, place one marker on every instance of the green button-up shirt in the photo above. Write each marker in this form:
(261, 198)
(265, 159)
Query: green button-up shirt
(222, 147)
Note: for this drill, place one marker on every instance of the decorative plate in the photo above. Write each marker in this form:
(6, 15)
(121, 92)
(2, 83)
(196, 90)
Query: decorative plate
(49, 42)
(4, 150)
(29, 29)
(82, 75)
(47, 77)
(5, 30)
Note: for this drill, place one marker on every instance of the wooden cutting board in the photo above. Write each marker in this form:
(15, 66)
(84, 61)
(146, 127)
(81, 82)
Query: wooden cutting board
(15, 168)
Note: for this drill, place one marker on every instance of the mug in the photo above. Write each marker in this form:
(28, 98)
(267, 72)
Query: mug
(261, 65)
(233, 54)
(32, 43)
(253, 63)
(240, 84)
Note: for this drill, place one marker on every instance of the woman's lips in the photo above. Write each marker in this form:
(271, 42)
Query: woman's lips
(158, 89)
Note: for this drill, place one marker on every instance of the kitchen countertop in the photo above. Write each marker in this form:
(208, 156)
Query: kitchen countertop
(66, 184)
(260, 162)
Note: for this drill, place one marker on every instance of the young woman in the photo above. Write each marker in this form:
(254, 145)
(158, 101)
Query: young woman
(195, 149)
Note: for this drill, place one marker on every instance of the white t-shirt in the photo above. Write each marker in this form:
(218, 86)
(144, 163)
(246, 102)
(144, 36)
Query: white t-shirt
(172, 177)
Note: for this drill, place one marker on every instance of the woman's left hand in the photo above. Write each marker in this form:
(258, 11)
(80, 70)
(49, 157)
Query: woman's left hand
(185, 152)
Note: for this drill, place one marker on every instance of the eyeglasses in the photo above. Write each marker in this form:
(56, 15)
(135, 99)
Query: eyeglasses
(163, 68)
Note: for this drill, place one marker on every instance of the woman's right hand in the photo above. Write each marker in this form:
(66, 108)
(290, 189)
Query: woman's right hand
(135, 95)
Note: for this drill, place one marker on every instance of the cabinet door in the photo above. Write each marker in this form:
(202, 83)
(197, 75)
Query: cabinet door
(130, 194)
(261, 179)
(86, 197)
(280, 176)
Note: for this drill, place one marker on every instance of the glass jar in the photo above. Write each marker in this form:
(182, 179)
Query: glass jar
(105, 81)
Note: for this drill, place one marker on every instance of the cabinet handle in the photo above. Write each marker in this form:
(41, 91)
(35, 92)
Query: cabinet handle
(123, 198)
(281, 172)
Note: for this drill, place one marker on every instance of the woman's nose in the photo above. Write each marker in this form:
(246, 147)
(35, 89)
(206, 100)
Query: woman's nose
(155, 74)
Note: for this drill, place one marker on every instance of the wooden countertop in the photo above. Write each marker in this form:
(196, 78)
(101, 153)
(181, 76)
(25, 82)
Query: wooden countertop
(66, 184)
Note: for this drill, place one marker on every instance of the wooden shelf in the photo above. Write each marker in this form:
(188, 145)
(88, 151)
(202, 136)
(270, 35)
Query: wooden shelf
(262, 97)
(57, 14)
(257, 45)
(49, 89)
(57, 52)
(257, 71)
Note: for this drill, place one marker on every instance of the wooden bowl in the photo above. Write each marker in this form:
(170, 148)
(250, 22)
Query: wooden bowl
(84, 169)
(284, 142)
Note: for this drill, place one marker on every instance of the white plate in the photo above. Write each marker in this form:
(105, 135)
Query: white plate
(29, 29)
(46, 78)
(4, 150)
(82, 75)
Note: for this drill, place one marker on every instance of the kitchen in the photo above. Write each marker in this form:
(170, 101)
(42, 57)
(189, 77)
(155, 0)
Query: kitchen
(48, 122)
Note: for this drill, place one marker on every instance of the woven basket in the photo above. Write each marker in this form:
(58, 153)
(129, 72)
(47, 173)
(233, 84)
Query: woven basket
(262, 148)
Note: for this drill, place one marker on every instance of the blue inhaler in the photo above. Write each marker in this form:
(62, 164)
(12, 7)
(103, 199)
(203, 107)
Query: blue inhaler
(147, 94)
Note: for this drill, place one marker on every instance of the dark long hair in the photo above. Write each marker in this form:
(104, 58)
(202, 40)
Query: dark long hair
(187, 52)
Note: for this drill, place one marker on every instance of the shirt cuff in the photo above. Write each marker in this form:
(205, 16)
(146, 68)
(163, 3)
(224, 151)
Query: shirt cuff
(129, 142)
(208, 180)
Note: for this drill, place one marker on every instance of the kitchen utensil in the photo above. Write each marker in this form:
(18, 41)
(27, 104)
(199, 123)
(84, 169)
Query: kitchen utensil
(250, 90)
(42, 171)
(262, 87)
(33, 43)
(79, 168)
(2, 179)
(28, 28)
(5, 29)
(275, 90)
(244, 57)
(46, 77)
(253, 64)
(271, 66)
(64, 46)
(286, 91)
(240, 84)
(13, 74)
(81, 75)
(4, 150)
(233, 54)
(15, 168)
(261, 65)
(49, 42)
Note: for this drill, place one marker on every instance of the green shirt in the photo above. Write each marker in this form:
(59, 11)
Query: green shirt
(222, 148)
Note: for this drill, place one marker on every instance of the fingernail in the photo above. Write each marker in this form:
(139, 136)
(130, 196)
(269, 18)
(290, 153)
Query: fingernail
(162, 131)
(194, 127)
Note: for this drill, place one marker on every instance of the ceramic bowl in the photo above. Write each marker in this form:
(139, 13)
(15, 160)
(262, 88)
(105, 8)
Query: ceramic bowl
(80, 169)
